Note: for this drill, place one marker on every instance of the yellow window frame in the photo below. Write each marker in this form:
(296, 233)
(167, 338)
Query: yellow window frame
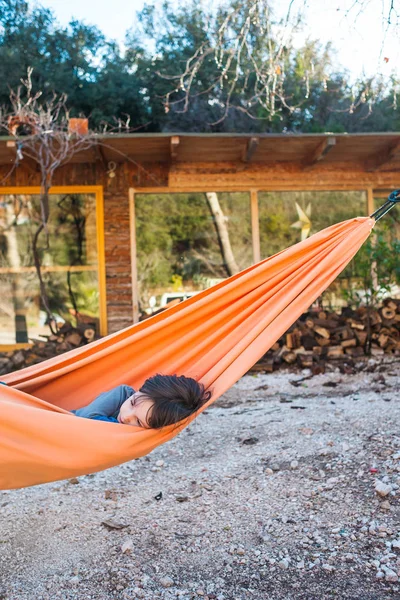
(97, 190)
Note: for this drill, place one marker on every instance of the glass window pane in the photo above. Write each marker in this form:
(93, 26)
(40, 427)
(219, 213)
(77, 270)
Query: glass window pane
(288, 217)
(187, 242)
(68, 255)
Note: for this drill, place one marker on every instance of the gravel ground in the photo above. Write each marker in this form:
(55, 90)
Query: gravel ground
(278, 491)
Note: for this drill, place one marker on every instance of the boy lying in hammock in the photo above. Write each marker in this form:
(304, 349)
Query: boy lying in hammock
(162, 400)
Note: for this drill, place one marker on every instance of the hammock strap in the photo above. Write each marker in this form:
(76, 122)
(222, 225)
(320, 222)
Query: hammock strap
(393, 198)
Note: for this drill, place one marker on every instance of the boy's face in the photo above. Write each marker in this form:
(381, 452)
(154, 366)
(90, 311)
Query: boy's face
(134, 410)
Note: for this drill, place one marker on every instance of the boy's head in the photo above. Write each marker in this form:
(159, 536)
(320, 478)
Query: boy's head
(163, 400)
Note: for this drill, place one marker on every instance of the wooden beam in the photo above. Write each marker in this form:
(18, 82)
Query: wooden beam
(134, 278)
(370, 201)
(99, 155)
(319, 153)
(174, 147)
(23, 161)
(255, 229)
(250, 149)
(378, 161)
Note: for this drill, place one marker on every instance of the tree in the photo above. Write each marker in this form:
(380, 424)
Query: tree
(237, 64)
(76, 61)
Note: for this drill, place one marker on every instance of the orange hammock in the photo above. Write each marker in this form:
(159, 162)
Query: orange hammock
(214, 337)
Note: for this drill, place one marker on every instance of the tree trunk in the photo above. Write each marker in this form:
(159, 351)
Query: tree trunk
(21, 331)
(222, 233)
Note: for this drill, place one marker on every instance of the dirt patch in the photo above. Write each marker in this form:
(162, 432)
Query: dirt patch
(269, 494)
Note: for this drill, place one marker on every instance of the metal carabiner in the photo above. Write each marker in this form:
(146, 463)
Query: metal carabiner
(393, 198)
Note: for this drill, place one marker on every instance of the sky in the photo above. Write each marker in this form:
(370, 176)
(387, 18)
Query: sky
(358, 38)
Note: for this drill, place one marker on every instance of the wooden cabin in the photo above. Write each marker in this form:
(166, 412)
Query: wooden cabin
(114, 205)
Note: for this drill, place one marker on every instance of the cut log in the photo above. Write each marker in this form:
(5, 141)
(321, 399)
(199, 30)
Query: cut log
(293, 340)
(326, 323)
(355, 352)
(361, 336)
(383, 340)
(342, 333)
(322, 341)
(73, 338)
(305, 360)
(322, 331)
(89, 334)
(391, 305)
(335, 352)
(349, 343)
(388, 313)
(356, 325)
(374, 318)
(308, 341)
(289, 357)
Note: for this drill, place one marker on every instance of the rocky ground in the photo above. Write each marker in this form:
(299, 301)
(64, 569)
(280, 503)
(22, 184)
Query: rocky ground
(287, 488)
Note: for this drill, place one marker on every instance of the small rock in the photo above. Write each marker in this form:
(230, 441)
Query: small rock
(391, 576)
(160, 463)
(111, 524)
(294, 464)
(167, 581)
(269, 471)
(326, 451)
(382, 489)
(284, 563)
(250, 441)
(396, 545)
(328, 568)
(73, 481)
(375, 563)
(306, 430)
(127, 547)
(110, 495)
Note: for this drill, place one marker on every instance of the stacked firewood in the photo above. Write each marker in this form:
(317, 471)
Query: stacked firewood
(319, 336)
(67, 338)
(316, 337)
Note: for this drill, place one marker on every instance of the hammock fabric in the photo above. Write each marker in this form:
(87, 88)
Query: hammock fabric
(214, 337)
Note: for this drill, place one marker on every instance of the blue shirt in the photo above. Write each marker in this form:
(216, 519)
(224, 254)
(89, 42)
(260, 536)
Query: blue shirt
(107, 405)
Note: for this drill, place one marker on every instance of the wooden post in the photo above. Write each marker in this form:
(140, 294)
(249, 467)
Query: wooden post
(371, 209)
(370, 201)
(255, 229)
(132, 227)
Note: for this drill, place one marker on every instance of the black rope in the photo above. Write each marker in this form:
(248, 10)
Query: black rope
(393, 198)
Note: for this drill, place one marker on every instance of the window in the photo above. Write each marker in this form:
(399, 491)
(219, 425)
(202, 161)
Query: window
(187, 242)
(288, 217)
(72, 264)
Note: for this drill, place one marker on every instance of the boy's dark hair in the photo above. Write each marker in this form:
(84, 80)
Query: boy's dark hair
(175, 398)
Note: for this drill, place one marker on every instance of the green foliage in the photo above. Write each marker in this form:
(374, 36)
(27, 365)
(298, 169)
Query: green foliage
(105, 83)
(375, 269)
(177, 244)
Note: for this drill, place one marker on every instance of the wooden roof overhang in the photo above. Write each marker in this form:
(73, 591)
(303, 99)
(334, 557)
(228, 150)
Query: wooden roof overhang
(182, 157)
